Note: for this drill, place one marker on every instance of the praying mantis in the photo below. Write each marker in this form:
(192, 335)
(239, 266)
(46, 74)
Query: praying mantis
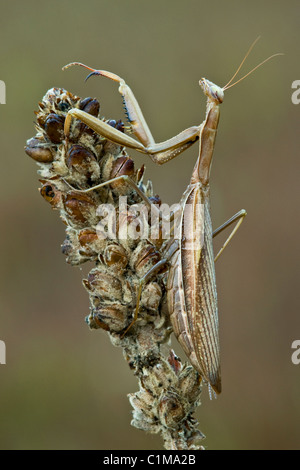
(191, 281)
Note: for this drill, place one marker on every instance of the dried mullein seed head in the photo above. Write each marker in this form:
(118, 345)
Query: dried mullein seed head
(37, 150)
(144, 418)
(169, 391)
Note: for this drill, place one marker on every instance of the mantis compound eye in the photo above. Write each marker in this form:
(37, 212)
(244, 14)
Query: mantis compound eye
(212, 91)
(217, 93)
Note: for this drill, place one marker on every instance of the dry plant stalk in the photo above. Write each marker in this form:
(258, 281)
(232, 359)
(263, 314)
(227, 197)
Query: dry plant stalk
(169, 391)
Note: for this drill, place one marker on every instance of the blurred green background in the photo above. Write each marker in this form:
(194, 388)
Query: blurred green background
(64, 387)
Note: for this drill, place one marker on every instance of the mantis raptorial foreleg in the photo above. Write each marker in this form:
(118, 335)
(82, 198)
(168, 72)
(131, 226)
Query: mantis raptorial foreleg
(159, 152)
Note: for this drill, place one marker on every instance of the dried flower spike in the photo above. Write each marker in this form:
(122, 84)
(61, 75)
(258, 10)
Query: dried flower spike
(169, 390)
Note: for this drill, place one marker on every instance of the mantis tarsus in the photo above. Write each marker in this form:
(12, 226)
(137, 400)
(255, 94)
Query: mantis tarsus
(191, 284)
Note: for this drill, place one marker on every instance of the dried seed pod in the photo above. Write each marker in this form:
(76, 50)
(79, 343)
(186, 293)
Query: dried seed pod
(174, 362)
(112, 317)
(80, 209)
(64, 106)
(79, 157)
(82, 164)
(52, 195)
(71, 249)
(151, 296)
(90, 105)
(103, 284)
(57, 100)
(119, 125)
(115, 257)
(142, 401)
(37, 150)
(95, 322)
(189, 383)
(125, 229)
(144, 257)
(54, 128)
(122, 166)
(139, 175)
(171, 410)
(87, 237)
(160, 378)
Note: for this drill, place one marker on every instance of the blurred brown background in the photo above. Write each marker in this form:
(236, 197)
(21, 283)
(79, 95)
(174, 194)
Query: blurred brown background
(64, 387)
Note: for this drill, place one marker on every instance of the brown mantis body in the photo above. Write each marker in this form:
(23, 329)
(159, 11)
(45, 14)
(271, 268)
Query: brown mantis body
(191, 284)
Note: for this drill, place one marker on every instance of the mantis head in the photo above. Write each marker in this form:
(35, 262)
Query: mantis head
(212, 91)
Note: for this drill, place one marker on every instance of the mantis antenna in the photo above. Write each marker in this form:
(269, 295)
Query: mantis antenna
(229, 84)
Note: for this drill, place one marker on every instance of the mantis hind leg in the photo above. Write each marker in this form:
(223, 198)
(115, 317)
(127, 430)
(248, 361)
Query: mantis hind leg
(238, 217)
(152, 272)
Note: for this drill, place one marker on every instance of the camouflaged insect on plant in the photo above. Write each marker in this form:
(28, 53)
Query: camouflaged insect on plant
(169, 391)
